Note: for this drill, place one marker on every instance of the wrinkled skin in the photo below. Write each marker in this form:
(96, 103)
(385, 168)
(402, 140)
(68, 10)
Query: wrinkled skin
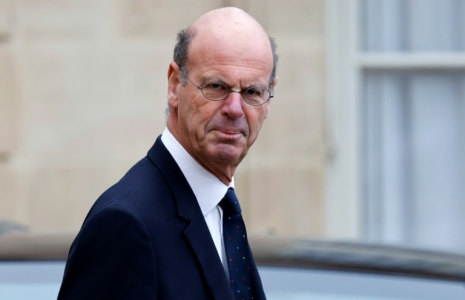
(229, 47)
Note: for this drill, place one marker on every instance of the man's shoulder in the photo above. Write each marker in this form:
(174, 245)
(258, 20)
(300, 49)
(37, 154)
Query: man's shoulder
(142, 188)
(144, 174)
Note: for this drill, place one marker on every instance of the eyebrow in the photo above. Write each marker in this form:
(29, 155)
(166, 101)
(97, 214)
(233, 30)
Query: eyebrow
(205, 80)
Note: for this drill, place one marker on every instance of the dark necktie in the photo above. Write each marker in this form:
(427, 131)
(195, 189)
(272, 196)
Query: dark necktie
(237, 247)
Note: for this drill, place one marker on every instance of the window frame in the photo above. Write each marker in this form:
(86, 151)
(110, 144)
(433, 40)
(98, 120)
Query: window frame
(346, 213)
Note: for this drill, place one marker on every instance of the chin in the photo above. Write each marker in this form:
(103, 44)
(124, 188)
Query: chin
(227, 154)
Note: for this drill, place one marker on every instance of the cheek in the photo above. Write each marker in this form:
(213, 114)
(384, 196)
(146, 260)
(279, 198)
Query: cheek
(256, 120)
(196, 115)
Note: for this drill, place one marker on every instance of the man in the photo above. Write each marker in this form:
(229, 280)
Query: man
(171, 227)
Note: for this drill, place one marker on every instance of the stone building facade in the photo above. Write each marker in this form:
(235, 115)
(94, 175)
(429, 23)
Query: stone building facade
(83, 95)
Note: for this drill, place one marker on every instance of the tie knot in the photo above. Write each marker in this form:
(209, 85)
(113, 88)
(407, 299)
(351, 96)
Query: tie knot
(230, 204)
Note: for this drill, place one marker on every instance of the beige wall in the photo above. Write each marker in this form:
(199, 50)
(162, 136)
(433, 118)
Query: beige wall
(83, 94)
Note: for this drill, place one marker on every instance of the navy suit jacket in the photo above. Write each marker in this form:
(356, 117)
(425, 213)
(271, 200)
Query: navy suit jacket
(146, 238)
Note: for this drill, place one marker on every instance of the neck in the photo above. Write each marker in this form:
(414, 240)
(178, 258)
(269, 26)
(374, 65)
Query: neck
(223, 171)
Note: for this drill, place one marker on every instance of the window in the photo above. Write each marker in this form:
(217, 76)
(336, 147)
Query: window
(397, 121)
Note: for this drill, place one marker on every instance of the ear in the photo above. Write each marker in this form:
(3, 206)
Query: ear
(173, 83)
(267, 108)
(274, 82)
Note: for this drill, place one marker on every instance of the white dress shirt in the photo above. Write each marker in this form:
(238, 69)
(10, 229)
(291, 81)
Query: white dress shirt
(207, 188)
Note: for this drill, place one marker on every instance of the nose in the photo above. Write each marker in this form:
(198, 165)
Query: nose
(232, 105)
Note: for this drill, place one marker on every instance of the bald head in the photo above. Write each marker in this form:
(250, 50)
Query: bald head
(225, 13)
(233, 29)
(228, 19)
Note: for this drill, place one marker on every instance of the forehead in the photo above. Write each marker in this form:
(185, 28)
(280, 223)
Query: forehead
(231, 49)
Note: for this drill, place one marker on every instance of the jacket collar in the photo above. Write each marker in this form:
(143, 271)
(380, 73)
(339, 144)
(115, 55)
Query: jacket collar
(207, 188)
(196, 232)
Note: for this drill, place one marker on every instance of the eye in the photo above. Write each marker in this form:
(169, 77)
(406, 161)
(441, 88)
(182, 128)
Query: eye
(215, 86)
(254, 92)
(256, 95)
(215, 91)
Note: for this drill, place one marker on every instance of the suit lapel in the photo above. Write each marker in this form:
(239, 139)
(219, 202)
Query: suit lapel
(197, 233)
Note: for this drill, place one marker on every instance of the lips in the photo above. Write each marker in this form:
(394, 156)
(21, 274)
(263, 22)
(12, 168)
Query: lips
(228, 134)
(228, 131)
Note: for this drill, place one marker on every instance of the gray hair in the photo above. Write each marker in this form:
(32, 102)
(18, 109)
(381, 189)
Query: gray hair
(181, 50)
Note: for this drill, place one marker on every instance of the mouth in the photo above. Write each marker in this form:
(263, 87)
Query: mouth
(229, 134)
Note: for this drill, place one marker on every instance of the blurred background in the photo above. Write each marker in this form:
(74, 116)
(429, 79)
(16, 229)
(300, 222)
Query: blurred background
(365, 140)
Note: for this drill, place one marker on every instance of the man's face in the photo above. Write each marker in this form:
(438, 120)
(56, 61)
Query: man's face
(219, 133)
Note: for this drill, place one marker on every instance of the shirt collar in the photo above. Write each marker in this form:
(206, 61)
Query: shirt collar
(207, 188)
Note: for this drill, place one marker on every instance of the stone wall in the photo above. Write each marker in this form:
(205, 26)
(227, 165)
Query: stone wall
(83, 93)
